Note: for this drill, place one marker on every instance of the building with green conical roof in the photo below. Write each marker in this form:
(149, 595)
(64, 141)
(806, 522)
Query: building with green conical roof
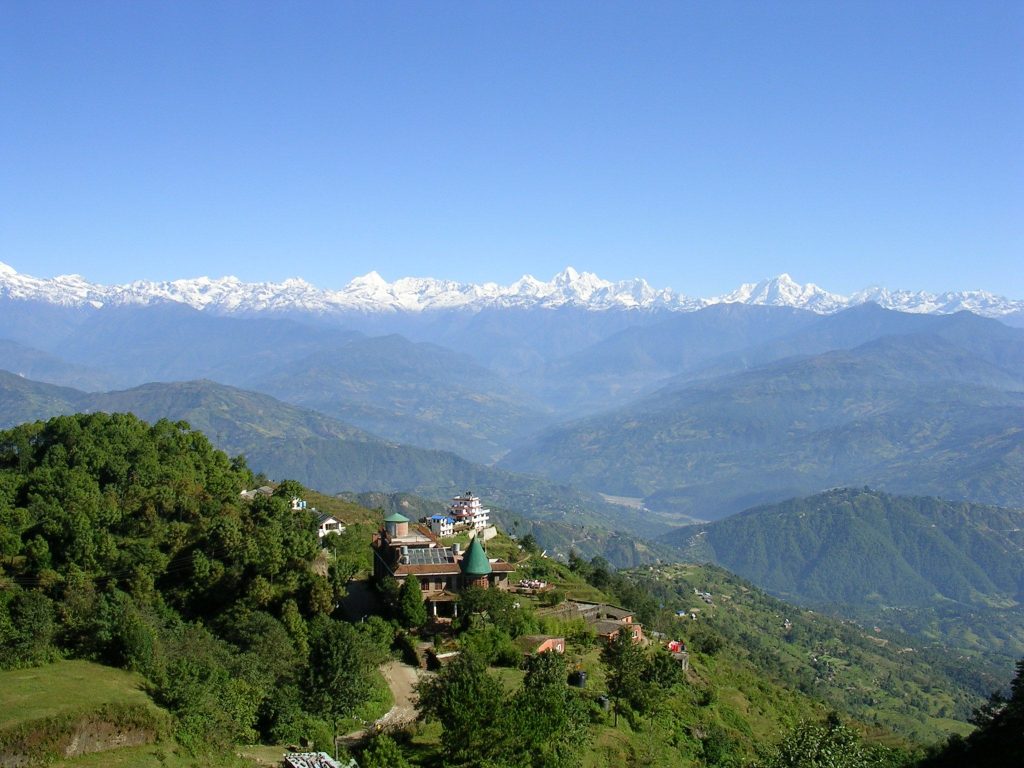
(401, 549)
(475, 566)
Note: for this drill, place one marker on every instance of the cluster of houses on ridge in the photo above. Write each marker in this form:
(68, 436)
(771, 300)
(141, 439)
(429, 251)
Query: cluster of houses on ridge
(402, 548)
(465, 513)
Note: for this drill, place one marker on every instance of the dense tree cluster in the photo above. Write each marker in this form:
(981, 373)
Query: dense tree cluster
(130, 544)
(544, 724)
(998, 741)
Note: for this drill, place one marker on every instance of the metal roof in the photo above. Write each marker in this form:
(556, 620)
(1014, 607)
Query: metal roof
(429, 556)
(475, 562)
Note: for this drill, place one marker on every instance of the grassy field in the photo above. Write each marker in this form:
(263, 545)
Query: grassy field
(49, 690)
(30, 694)
(164, 755)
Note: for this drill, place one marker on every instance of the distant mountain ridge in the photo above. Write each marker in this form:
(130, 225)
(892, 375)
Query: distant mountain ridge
(321, 452)
(371, 294)
(853, 546)
(937, 413)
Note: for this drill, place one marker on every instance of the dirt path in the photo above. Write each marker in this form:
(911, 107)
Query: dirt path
(400, 678)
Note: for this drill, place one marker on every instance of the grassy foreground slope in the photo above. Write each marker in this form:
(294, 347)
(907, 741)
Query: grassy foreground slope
(880, 679)
(75, 713)
(50, 689)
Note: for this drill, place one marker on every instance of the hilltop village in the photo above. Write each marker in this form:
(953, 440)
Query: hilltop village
(403, 549)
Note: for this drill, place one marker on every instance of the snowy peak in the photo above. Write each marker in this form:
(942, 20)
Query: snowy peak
(783, 291)
(371, 293)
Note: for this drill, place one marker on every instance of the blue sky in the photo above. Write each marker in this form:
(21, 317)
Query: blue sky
(698, 145)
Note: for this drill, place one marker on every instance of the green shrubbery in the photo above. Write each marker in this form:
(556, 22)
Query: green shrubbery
(129, 544)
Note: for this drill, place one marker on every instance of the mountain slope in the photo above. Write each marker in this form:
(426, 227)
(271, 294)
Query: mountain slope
(913, 414)
(637, 359)
(993, 341)
(318, 451)
(417, 394)
(420, 394)
(855, 546)
(41, 366)
(173, 342)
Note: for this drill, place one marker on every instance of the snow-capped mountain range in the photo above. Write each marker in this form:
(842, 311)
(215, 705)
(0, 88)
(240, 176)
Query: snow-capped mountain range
(371, 293)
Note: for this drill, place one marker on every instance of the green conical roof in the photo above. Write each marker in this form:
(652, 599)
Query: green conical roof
(396, 517)
(474, 562)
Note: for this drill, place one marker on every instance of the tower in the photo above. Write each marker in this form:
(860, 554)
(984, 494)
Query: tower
(475, 567)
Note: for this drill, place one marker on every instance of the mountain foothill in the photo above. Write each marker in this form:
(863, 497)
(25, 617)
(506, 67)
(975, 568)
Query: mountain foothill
(549, 394)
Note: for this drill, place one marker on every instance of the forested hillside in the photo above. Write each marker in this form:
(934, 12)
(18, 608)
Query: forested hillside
(857, 545)
(879, 678)
(282, 440)
(949, 572)
(910, 414)
(129, 544)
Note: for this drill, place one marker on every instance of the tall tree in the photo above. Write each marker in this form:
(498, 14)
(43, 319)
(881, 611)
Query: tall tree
(551, 721)
(626, 671)
(412, 611)
(340, 669)
(470, 705)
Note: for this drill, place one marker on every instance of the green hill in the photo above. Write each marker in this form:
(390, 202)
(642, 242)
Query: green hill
(910, 414)
(879, 678)
(283, 440)
(853, 546)
(945, 571)
(130, 544)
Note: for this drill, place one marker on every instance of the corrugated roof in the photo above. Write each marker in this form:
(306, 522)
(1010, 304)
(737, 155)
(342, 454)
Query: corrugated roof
(311, 760)
(396, 517)
(427, 569)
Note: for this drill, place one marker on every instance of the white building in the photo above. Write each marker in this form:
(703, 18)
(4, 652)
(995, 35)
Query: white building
(467, 512)
(326, 524)
(442, 525)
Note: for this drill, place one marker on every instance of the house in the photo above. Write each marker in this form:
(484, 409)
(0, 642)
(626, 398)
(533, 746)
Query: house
(401, 550)
(606, 620)
(441, 525)
(534, 644)
(298, 504)
(327, 524)
(608, 630)
(468, 513)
